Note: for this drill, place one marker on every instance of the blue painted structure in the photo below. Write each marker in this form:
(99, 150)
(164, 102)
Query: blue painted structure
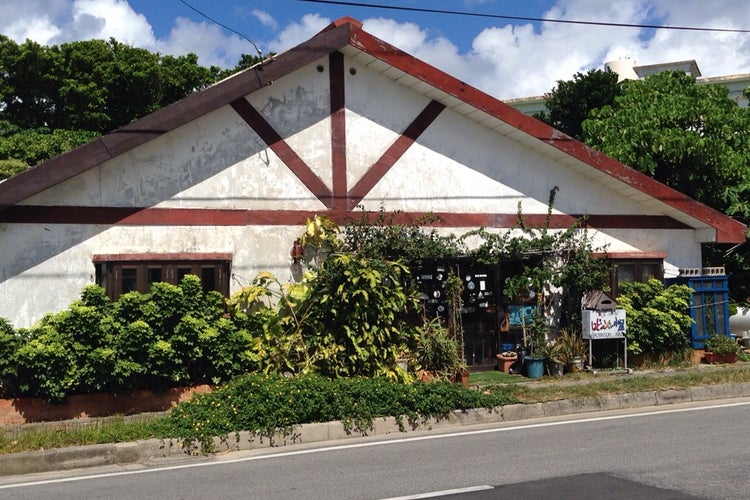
(709, 306)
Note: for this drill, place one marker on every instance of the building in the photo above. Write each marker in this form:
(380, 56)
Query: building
(627, 69)
(220, 183)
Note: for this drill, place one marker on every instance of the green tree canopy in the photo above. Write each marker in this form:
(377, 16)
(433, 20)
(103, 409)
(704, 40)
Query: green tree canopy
(93, 85)
(570, 102)
(691, 137)
(53, 99)
(687, 136)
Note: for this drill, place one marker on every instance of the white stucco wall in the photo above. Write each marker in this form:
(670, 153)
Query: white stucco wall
(218, 162)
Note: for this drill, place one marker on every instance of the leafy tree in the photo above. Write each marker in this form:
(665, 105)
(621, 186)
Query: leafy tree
(247, 61)
(571, 101)
(94, 85)
(20, 149)
(11, 167)
(687, 136)
(28, 83)
(53, 99)
(690, 137)
(658, 317)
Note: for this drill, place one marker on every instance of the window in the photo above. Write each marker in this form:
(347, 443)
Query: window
(635, 270)
(120, 274)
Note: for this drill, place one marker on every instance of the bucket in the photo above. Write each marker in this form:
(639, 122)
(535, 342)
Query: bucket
(534, 367)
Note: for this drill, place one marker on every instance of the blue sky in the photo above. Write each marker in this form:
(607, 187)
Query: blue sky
(506, 58)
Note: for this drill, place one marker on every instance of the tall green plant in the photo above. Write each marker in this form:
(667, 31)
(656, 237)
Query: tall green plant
(278, 311)
(559, 262)
(355, 316)
(389, 236)
(658, 317)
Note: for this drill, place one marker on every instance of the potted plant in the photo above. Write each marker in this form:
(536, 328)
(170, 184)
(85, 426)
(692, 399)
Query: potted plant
(436, 352)
(721, 349)
(540, 347)
(572, 349)
(505, 360)
(555, 364)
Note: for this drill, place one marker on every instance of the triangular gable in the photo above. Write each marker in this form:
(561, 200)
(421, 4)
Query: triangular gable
(443, 91)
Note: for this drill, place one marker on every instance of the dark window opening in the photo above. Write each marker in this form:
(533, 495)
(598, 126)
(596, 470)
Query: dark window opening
(118, 277)
(635, 270)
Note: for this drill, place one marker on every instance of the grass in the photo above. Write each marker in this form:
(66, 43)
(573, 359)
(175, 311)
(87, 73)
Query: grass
(110, 430)
(573, 386)
(588, 385)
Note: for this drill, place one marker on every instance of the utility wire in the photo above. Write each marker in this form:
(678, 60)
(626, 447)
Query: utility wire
(521, 18)
(260, 54)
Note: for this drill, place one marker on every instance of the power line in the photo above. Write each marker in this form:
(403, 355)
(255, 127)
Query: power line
(260, 54)
(522, 18)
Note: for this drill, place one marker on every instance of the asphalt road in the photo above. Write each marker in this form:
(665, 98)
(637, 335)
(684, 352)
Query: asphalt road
(684, 451)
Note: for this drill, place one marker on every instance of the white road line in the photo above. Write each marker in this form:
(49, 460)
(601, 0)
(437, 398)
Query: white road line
(433, 494)
(372, 443)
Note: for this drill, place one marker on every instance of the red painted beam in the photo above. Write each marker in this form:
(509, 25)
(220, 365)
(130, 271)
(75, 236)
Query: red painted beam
(394, 153)
(125, 216)
(279, 146)
(338, 129)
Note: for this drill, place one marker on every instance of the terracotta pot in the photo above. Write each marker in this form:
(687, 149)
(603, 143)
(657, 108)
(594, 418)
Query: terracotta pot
(462, 378)
(575, 366)
(712, 357)
(505, 362)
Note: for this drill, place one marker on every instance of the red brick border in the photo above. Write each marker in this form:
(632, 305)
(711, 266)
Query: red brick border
(27, 410)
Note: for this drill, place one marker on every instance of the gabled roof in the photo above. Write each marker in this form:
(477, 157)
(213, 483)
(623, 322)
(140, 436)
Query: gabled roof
(346, 36)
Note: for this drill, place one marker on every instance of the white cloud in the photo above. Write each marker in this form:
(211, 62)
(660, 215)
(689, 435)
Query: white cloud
(502, 59)
(297, 32)
(525, 60)
(18, 23)
(208, 41)
(40, 29)
(110, 19)
(265, 18)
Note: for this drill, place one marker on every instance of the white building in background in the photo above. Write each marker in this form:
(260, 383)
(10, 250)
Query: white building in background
(627, 69)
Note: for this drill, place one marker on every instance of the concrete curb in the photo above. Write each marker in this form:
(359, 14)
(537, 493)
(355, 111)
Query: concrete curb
(152, 449)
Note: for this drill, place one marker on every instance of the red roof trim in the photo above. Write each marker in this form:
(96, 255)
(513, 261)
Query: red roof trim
(630, 255)
(338, 129)
(728, 230)
(345, 31)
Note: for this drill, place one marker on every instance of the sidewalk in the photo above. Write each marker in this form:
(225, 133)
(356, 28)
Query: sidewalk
(153, 449)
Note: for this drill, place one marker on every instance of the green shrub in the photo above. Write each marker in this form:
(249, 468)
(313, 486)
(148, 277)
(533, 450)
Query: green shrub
(175, 335)
(722, 344)
(354, 318)
(45, 363)
(658, 317)
(269, 403)
(9, 342)
(436, 350)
